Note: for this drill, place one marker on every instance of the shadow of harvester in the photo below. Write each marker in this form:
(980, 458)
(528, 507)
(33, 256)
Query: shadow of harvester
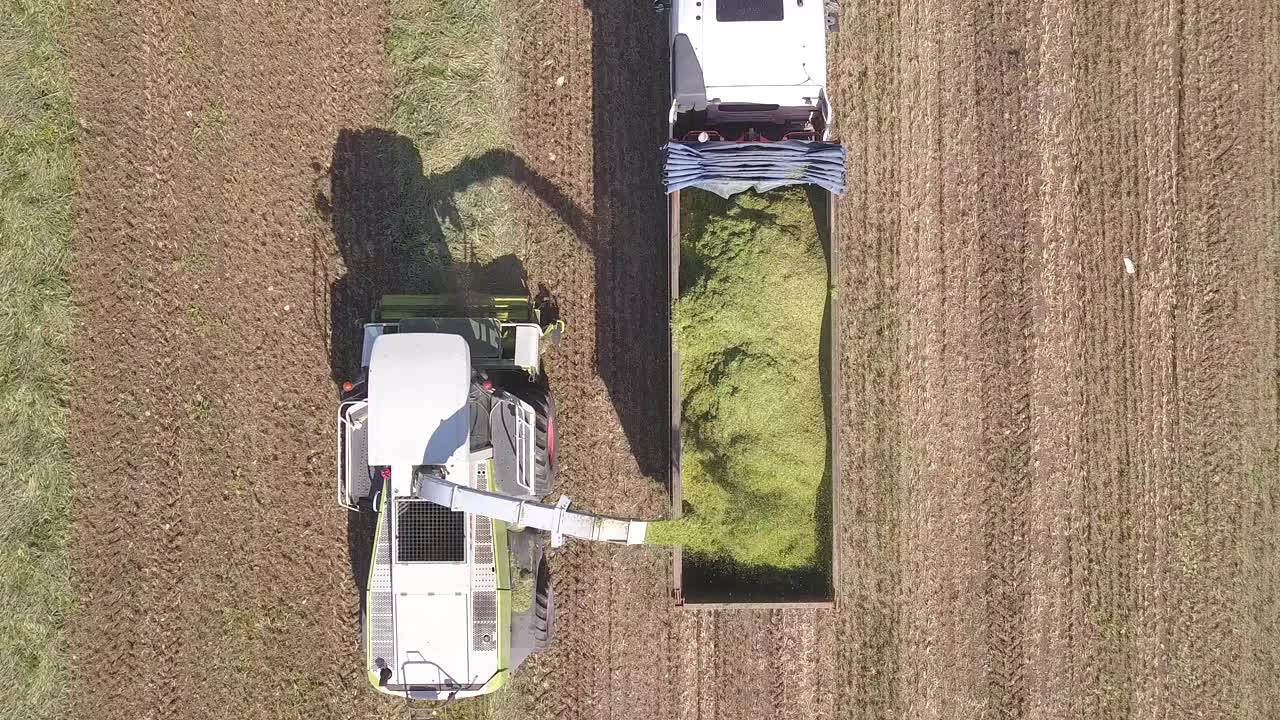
(390, 221)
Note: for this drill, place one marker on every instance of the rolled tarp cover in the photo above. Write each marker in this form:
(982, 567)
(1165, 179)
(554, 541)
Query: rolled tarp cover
(727, 168)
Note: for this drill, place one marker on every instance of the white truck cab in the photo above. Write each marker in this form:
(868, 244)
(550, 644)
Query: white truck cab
(749, 103)
(729, 56)
(757, 63)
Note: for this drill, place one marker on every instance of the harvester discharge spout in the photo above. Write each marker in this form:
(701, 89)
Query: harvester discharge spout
(558, 519)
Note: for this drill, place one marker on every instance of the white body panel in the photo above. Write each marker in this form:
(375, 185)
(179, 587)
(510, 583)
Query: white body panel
(780, 62)
(433, 637)
(558, 520)
(528, 346)
(418, 385)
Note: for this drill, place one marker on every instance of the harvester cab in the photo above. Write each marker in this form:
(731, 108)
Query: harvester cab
(448, 439)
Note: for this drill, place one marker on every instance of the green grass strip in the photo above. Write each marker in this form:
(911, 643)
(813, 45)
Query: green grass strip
(37, 171)
(451, 96)
(748, 326)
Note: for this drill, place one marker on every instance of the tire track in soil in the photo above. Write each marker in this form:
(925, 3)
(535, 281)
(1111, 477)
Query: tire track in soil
(803, 690)
(866, 90)
(1103, 566)
(1006, 75)
(1259, 618)
(1053, 370)
(745, 666)
(1158, 439)
(1222, 196)
(116, 653)
(163, 525)
(940, 654)
(109, 558)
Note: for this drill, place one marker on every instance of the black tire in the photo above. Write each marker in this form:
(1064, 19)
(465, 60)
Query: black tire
(544, 607)
(544, 473)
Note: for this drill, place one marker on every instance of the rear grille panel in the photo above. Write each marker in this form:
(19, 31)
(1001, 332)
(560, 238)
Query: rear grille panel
(426, 532)
(484, 620)
(484, 542)
(484, 580)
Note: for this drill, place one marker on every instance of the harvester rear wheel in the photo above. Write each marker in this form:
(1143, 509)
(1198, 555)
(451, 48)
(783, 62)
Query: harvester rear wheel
(544, 606)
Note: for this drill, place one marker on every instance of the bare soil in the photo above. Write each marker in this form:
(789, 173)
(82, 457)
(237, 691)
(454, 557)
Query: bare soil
(1071, 463)
(212, 563)
(1061, 481)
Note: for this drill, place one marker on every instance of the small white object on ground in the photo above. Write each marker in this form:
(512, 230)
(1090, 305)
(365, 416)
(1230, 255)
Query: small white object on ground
(560, 81)
(1128, 266)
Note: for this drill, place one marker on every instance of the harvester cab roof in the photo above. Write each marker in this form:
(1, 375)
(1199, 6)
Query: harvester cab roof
(418, 399)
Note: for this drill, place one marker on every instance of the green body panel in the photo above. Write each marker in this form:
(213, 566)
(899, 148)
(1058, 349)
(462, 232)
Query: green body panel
(368, 581)
(502, 556)
(502, 560)
(395, 310)
(496, 682)
(513, 309)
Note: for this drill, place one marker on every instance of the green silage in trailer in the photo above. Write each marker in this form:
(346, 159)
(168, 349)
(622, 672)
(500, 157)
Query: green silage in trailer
(749, 329)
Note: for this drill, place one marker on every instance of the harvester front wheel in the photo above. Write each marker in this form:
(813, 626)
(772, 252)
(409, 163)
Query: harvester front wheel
(544, 474)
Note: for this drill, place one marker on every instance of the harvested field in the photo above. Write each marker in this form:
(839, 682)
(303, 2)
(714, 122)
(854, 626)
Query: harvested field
(1060, 483)
(1064, 472)
(212, 566)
